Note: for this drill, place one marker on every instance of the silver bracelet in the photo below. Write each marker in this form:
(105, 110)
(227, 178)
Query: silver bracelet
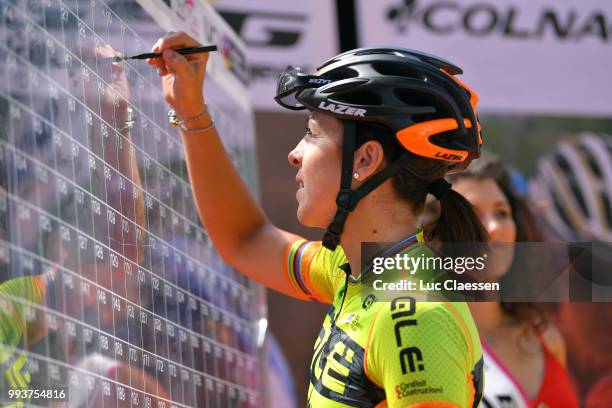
(187, 130)
(175, 121)
(130, 121)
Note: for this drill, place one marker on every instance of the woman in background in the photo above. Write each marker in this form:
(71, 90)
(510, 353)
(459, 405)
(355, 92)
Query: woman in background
(524, 353)
(571, 190)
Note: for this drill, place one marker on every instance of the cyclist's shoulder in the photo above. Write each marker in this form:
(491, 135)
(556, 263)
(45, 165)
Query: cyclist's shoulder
(331, 259)
(327, 263)
(400, 307)
(315, 270)
(405, 315)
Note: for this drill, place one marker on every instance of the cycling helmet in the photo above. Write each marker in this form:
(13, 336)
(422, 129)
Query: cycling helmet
(574, 186)
(414, 95)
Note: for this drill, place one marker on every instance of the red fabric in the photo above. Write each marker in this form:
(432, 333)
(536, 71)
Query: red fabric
(600, 396)
(557, 389)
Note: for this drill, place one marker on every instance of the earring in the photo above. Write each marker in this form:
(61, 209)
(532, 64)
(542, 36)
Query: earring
(356, 176)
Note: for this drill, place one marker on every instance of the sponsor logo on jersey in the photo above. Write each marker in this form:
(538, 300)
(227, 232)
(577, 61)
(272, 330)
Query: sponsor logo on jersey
(416, 387)
(337, 367)
(410, 357)
(368, 301)
(348, 319)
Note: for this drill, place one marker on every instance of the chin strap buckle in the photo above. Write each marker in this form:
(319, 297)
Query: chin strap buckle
(347, 200)
(331, 240)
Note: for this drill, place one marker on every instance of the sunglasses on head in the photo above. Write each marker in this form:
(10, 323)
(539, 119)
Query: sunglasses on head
(291, 81)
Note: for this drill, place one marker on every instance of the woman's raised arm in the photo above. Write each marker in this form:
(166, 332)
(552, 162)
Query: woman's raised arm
(234, 221)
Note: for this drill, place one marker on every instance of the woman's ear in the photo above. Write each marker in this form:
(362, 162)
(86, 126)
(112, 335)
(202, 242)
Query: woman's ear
(369, 158)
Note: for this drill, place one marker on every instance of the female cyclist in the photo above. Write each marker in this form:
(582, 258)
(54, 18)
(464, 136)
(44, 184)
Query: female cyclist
(385, 126)
(524, 353)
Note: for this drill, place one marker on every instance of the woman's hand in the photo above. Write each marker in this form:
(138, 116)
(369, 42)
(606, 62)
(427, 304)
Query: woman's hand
(182, 75)
(115, 97)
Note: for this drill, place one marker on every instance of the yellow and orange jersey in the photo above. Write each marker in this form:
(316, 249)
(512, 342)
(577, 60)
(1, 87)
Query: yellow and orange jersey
(398, 353)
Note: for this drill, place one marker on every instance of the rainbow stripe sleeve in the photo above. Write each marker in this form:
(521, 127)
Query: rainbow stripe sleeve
(305, 272)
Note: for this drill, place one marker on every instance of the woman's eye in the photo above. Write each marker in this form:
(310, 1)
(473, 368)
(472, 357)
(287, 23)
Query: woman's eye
(307, 131)
(503, 213)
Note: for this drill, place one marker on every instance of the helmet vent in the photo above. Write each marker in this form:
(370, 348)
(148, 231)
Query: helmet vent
(416, 98)
(359, 97)
(401, 70)
(560, 209)
(341, 73)
(578, 194)
(573, 183)
(563, 164)
(607, 209)
(378, 51)
(590, 161)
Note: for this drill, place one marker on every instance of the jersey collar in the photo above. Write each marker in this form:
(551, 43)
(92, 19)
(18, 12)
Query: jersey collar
(399, 247)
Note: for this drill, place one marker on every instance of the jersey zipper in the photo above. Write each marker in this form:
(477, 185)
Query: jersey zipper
(332, 326)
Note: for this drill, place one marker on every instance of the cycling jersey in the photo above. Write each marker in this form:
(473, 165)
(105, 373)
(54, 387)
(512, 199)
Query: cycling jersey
(13, 325)
(398, 353)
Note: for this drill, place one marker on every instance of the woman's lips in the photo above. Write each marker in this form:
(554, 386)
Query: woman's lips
(300, 184)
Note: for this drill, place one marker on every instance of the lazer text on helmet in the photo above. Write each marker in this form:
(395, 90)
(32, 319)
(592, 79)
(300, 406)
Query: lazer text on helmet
(342, 109)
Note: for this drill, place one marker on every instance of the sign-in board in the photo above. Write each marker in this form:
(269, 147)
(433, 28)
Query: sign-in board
(110, 290)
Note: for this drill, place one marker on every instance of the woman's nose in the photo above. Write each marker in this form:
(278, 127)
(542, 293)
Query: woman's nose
(295, 156)
(491, 225)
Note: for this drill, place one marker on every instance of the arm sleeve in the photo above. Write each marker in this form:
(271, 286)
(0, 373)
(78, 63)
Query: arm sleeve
(314, 270)
(421, 358)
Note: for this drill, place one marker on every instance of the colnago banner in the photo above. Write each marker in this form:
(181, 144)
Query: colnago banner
(281, 33)
(520, 56)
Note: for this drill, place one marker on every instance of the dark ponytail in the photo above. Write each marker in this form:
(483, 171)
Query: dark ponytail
(458, 221)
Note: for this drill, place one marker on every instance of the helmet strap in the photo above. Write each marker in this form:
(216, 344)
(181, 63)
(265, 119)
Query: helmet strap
(347, 199)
